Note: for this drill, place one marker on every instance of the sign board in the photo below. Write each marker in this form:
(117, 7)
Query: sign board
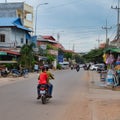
(3, 53)
(60, 58)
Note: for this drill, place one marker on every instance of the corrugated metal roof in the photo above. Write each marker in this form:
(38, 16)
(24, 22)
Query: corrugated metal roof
(7, 21)
(11, 22)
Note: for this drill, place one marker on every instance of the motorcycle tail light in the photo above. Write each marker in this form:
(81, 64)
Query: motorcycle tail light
(42, 88)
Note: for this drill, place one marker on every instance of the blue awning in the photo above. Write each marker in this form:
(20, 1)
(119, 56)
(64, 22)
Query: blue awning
(28, 36)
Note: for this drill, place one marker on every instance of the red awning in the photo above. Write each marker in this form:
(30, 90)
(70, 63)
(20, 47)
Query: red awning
(10, 52)
(13, 52)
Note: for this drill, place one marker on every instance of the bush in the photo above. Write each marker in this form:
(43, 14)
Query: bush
(59, 66)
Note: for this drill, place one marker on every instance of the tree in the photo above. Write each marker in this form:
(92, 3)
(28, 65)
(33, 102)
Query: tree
(68, 55)
(78, 58)
(94, 56)
(27, 56)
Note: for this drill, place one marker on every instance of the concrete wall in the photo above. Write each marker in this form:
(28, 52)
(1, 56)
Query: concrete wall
(19, 9)
(10, 9)
(13, 37)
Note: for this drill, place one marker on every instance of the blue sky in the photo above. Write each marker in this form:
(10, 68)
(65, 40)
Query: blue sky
(78, 22)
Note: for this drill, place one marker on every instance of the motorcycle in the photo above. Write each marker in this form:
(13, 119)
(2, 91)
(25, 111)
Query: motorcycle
(44, 94)
(18, 73)
(77, 68)
(4, 73)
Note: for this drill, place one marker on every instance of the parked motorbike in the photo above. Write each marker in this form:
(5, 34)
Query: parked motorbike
(44, 94)
(18, 73)
(4, 73)
(77, 68)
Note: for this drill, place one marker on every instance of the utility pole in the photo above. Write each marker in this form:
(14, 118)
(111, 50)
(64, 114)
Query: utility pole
(117, 37)
(106, 29)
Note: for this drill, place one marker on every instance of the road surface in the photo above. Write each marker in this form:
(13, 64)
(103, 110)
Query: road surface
(74, 98)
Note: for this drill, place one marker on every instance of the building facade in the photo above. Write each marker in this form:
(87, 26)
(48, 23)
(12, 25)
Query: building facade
(18, 9)
(12, 33)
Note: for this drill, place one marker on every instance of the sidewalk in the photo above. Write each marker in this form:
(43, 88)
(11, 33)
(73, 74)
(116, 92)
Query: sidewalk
(10, 79)
(95, 82)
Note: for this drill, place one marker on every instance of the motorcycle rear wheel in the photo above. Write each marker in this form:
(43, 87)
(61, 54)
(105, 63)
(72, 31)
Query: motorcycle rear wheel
(43, 98)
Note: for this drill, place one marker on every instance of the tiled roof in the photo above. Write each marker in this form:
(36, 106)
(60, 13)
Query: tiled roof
(49, 37)
(69, 51)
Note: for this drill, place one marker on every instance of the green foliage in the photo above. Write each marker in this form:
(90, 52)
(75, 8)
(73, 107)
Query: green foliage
(68, 55)
(60, 51)
(59, 66)
(50, 58)
(27, 56)
(78, 58)
(94, 56)
(51, 47)
(42, 52)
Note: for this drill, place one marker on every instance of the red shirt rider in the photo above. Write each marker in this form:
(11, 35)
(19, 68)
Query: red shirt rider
(43, 77)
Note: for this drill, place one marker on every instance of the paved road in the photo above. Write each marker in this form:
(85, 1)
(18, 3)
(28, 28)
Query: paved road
(18, 100)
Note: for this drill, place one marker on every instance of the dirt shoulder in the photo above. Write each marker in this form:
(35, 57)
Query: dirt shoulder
(104, 102)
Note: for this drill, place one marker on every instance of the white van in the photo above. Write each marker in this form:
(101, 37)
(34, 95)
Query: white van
(64, 65)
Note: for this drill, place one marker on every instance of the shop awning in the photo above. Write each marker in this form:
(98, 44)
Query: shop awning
(3, 53)
(117, 50)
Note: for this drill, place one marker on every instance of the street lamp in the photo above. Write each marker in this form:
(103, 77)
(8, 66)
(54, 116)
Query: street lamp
(36, 15)
(58, 35)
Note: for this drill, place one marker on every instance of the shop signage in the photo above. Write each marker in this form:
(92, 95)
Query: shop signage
(3, 53)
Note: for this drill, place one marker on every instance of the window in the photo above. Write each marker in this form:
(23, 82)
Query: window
(19, 15)
(2, 37)
(22, 40)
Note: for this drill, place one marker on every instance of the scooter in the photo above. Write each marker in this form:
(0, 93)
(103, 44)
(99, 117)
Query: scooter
(17, 73)
(4, 73)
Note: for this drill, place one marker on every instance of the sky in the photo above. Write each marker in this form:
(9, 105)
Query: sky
(77, 22)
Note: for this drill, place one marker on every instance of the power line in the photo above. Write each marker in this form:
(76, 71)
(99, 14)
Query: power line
(63, 4)
(117, 37)
(106, 29)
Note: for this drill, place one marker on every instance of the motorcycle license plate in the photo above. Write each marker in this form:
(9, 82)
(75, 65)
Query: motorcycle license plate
(42, 92)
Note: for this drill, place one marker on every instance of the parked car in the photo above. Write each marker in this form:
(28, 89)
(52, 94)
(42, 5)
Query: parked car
(97, 67)
(101, 67)
(94, 67)
(64, 65)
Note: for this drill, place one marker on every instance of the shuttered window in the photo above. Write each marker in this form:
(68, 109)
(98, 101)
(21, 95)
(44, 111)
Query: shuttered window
(2, 37)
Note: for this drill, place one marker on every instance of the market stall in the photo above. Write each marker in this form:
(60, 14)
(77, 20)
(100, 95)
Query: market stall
(111, 75)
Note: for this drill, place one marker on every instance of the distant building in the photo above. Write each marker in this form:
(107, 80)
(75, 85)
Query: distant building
(102, 45)
(18, 9)
(42, 41)
(115, 43)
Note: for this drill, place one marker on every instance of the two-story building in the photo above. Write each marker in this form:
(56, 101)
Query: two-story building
(13, 35)
(19, 10)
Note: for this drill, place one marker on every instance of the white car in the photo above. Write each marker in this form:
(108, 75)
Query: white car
(94, 67)
(64, 65)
